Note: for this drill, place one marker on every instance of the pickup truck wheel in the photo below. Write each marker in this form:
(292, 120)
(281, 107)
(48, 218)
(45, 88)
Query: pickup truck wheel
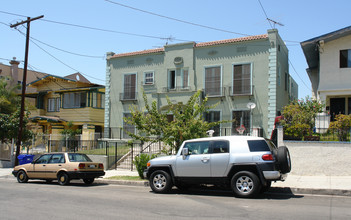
(284, 159)
(245, 184)
(160, 181)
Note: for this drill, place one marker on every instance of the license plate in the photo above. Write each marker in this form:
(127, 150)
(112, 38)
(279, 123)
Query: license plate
(91, 166)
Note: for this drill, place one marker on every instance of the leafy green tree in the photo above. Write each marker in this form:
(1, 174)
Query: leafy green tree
(187, 124)
(299, 117)
(9, 100)
(10, 113)
(70, 133)
(342, 125)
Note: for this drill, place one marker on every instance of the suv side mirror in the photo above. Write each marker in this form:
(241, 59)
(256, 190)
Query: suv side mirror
(185, 151)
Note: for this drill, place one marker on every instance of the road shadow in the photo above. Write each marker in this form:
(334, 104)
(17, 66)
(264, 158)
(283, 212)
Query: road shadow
(274, 193)
(75, 183)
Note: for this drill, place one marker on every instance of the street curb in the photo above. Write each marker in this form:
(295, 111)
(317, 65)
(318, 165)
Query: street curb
(280, 190)
(123, 182)
(294, 191)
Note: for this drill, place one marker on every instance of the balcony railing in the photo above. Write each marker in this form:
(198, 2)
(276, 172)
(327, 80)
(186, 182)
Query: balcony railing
(176, 89)
(241, 91)
(131, 96)
(214, 92)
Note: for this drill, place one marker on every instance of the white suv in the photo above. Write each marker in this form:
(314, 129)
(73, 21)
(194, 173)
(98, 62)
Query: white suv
(246, 164)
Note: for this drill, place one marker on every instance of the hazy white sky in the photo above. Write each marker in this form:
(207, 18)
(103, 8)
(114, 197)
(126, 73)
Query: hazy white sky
(72, 28)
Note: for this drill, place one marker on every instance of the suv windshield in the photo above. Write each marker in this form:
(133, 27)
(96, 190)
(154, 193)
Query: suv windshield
(78, 158)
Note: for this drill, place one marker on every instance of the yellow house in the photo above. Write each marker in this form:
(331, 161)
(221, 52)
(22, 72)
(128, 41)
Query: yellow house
(60, 100)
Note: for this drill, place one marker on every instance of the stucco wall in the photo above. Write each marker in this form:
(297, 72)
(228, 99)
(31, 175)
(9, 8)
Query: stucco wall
(332, 77)
(320, 158)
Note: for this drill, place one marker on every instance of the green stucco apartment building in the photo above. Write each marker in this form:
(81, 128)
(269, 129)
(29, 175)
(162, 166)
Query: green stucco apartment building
(231, 72)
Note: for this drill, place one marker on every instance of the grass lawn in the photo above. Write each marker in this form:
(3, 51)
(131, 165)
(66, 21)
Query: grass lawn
(121, 150)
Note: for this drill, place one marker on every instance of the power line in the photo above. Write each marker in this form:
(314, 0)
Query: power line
(77, 54)
(100, 29)
(175, 19)
(299, 75)
(264, 11)
(269, 21)
(61, 61)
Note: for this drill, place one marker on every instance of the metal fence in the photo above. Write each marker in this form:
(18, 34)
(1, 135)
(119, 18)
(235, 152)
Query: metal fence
(322, 132)
(121, 155)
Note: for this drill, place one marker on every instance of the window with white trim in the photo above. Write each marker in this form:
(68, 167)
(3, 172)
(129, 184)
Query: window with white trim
(214, 116)
(149, 78)
(98, 99)
(172, 79)
(241, 122)
(345, 58)
(127, 127)
(241, 79)
(75, 100)
(213, 81)
(129, 87)
(185, 78)
(54, 105)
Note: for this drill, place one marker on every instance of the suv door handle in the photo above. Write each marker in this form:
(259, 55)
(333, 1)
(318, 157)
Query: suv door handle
(205, 159)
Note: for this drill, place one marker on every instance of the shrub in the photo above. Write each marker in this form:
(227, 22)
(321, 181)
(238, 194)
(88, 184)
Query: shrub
(299, 117)
(141, 162)
(342, 125)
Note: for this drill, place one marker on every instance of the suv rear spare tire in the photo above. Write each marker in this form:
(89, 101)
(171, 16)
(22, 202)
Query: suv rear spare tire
(284, 159)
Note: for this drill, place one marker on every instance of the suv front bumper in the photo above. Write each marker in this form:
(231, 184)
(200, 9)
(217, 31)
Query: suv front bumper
(145, 174)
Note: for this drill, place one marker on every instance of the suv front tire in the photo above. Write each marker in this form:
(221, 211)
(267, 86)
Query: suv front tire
(160, 181)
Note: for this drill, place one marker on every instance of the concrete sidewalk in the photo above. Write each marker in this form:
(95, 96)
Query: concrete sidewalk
(318, 185)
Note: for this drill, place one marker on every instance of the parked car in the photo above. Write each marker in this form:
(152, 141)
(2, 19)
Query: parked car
(246, 164)
(61, 166)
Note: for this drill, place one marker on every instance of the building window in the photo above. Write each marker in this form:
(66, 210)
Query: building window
(279, 77)
(98, 100)
(148, 78)
(185, 78)
(242, 79)
(241, 122)
(54, 105)
(170, 118)
(129, 87)
(75, 100)
(127, 127)
(172, 79)
(214, 116)
(213, 81)
(345, 58)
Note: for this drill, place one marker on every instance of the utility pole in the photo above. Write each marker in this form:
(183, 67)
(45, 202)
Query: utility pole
(24, 83)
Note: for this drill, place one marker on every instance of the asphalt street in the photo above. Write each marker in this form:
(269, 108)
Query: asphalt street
(38, 200)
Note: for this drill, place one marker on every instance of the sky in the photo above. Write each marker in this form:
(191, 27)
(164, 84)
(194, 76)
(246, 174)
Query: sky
(75, 35)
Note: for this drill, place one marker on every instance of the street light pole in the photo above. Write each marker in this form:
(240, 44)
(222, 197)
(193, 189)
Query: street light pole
(24, 83)
(251, 106)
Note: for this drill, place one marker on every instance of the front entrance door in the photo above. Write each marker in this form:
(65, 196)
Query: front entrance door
(337, 106)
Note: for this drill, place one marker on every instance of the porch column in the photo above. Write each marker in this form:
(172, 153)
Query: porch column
(88, 136)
